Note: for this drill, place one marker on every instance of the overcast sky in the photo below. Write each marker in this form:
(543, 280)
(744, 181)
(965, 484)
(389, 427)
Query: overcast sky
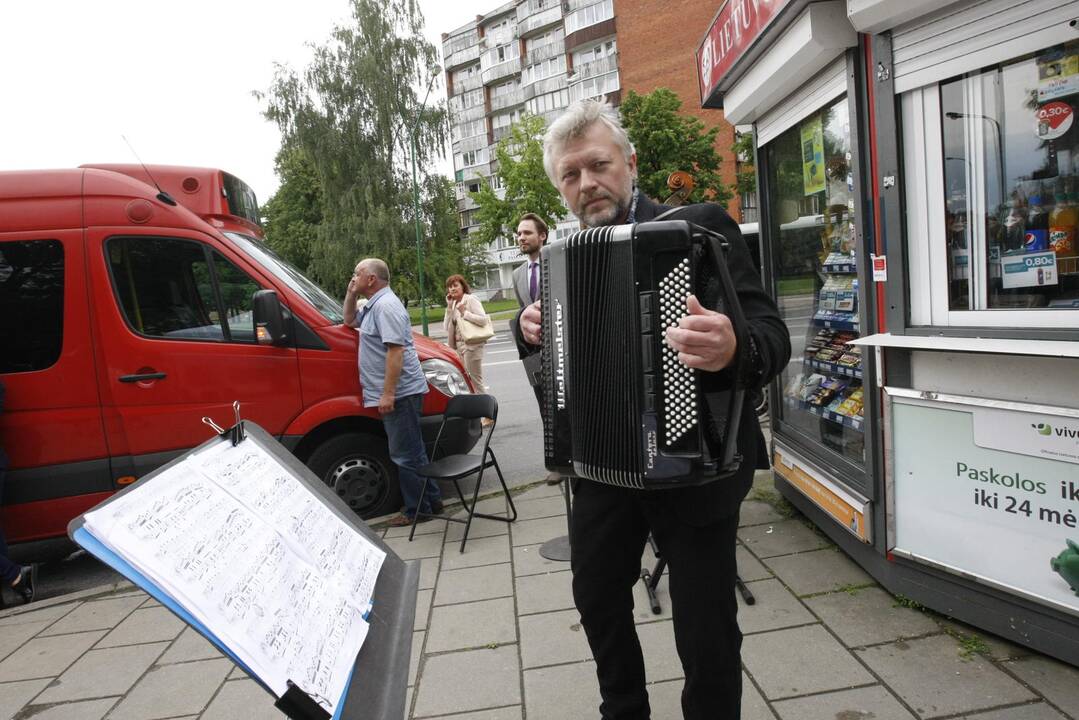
(174, 78)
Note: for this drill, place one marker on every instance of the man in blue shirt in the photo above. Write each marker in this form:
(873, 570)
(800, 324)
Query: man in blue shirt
(392, 380)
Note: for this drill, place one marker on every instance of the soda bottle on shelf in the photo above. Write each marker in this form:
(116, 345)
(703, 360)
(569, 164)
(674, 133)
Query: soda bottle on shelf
(1015, 223)
(1036, 238)
(1062, 222)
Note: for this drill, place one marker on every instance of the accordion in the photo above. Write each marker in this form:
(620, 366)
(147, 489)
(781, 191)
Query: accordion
(618, 406)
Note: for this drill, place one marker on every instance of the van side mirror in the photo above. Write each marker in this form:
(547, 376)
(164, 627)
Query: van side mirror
(268, 317)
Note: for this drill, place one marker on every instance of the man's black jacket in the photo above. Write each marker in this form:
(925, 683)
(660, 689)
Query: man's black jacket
(706, 503)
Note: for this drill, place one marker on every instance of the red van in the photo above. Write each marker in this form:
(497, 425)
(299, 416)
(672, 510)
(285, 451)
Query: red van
(128, 312)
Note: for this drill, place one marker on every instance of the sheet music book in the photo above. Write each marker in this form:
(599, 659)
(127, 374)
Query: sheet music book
(253, 557)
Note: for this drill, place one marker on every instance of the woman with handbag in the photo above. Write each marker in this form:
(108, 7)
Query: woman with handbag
(468, 328)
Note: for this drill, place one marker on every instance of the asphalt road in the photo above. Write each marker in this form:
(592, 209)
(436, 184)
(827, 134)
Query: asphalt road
(517, 443)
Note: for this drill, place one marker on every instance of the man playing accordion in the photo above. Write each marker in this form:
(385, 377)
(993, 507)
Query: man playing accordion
(589, 158)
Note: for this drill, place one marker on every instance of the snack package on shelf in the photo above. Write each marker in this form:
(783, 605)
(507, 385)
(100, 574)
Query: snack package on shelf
(828, 354)
(846, 299)
(821, 340)
(803, 387)
(852, 404)
(850, 360)
(827, 297)
(826, 391)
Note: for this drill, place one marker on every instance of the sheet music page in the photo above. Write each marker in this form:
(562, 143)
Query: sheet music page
(257, 559)
(314, 532)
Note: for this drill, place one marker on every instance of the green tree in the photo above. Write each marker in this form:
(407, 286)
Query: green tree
(351, 112)
(745, 179)
(294, 213)
(444, 254)
(527, 188)
(667, 141)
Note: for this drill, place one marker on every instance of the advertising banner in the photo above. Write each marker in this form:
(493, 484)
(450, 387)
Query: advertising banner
(990, 492)
(735, 28)
(812, 135)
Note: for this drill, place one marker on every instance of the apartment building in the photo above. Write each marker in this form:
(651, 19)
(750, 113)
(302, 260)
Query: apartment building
(534, 56)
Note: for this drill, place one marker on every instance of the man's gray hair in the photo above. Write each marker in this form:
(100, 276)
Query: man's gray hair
(575, 122)
(377, 267)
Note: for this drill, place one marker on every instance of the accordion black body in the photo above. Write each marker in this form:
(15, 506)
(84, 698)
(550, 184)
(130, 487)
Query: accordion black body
(619, 407)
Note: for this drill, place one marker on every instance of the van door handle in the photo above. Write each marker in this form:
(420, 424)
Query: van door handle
(142, 376)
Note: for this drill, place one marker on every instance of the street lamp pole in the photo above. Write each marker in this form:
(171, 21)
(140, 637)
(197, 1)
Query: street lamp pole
(1000, 146)
(434, 70)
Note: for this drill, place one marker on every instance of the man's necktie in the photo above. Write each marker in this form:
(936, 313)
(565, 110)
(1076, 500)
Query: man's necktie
(532, 284)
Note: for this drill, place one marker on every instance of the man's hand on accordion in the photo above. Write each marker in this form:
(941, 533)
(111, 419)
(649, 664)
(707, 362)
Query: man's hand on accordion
(704, 339)
(531, 327)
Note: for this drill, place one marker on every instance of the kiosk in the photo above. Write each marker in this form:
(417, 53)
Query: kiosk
(919, 193)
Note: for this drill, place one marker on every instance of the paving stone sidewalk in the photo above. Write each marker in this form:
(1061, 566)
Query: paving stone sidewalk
(496, 638)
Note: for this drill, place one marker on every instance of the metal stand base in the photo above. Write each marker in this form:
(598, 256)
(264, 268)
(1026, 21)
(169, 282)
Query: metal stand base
(557, 549)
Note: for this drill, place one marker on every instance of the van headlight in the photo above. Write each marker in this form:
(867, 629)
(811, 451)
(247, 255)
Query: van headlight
(445, 377)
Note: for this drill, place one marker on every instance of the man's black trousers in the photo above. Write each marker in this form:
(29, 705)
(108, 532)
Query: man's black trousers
(610, 528)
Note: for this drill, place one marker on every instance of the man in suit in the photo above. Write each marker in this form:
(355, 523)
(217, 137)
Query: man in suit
(589, 158)
(531, 236)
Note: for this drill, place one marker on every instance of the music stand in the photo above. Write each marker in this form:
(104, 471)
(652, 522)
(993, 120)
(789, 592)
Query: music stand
(652, 577)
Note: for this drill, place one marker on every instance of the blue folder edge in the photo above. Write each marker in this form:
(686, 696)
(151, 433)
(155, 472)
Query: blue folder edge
(96, 548)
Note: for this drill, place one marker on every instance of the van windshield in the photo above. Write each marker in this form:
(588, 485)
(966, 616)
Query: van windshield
(286, 273)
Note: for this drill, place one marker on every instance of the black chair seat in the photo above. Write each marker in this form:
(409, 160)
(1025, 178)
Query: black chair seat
(452, 466)
(455, 467)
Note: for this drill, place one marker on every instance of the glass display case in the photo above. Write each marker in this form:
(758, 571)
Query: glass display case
(810, 186)
(1011, 183)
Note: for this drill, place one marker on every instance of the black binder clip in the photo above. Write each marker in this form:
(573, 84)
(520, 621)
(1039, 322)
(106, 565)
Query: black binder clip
(235, 433)
(237, 430)
(298, 705)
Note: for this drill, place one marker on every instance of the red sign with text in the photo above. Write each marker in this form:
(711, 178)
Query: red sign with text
(737, 25)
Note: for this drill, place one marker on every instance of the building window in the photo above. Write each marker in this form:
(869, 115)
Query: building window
(590, 15)
(748, 207)
(544, 69)
(594, 87)
(470, 158)
(548, 102)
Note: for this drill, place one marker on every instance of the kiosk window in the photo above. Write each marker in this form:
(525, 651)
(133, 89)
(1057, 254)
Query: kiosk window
(1011, 184)
(811, 226)
(31, 304)
(168, 289)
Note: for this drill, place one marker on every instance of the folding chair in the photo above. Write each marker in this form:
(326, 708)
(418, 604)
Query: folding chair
(455, 467)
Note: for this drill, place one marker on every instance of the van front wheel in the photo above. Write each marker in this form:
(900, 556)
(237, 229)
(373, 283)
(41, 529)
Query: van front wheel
(358, 467)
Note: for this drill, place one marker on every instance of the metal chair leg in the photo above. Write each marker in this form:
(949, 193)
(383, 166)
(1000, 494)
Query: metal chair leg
(419, 504)
(472, 510)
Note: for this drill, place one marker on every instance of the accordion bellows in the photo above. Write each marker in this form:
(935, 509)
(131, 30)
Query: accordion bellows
(619, 407)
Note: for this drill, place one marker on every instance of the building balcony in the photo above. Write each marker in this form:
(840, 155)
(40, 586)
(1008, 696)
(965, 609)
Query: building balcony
(507, 100)
(475, 171)
(463, 57)
(571, 5)
(466, 203)
(476, 142)
(595, 68)
(546, 85)
(460, 117)
(501, 132)
(502, 70)
(539, 21)
(463, 85)
(546, 52)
